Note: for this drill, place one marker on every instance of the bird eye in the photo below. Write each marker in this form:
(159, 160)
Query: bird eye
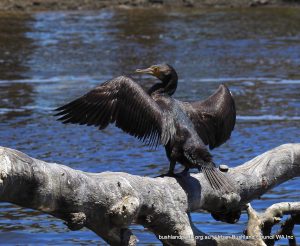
(156, 69)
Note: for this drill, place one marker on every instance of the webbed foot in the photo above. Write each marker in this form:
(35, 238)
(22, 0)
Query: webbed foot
(169, 174)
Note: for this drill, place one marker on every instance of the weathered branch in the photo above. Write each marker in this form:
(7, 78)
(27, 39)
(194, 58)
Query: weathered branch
(287, 228)
(107, 203)
(260, 225)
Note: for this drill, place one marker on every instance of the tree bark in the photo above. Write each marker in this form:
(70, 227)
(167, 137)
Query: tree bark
(107, 203)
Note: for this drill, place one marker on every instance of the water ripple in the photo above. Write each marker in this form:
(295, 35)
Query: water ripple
(267, 118)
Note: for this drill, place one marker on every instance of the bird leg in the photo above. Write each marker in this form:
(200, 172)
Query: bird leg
(170, 173)
(185, 171)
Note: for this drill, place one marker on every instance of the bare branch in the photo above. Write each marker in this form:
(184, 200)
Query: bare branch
(107, 203)
(287, 230)
(260, 225)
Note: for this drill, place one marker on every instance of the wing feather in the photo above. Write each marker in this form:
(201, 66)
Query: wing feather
(213, 118)
(123, 102)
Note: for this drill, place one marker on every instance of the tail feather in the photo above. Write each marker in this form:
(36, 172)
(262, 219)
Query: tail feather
(217, 179)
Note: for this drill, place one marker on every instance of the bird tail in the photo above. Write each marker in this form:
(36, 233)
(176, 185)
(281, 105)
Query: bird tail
(217, 179)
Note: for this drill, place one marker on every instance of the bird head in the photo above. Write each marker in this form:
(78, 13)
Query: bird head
(163, 72)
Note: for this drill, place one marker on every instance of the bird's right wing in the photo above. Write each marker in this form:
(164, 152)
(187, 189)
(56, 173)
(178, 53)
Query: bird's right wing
(123, 102)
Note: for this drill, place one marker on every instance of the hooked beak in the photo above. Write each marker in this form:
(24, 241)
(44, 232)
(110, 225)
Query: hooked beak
(146, 71)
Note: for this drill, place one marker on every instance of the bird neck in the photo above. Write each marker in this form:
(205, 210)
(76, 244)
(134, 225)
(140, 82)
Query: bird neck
(170, 83)
(156, 88)
(167, 86)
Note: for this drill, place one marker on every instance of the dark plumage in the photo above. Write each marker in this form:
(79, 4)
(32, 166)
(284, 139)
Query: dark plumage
(156, 118)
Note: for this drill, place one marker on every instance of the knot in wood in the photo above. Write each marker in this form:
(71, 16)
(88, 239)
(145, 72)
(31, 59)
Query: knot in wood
(223, 168)
(76, 221)
(3, 176)
(124, 211)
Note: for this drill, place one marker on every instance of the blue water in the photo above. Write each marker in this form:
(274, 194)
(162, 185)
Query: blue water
(49, 58)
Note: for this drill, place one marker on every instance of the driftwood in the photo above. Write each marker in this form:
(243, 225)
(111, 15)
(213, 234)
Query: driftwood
(107, 203)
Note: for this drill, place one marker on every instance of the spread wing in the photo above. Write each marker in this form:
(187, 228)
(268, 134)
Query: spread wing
(123, 102)
(213, 118)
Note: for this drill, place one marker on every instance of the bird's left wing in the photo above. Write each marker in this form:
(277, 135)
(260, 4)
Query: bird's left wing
(213, 118)
(123, 102)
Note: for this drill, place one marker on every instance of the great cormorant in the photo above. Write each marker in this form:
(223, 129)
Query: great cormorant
(184, 128)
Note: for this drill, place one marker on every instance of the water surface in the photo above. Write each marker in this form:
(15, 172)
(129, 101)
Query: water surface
(49, 58)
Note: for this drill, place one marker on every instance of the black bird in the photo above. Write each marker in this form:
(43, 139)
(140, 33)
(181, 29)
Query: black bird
(184, 128)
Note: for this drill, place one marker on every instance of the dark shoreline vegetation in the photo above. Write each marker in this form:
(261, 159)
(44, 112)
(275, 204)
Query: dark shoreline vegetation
(45, 5)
